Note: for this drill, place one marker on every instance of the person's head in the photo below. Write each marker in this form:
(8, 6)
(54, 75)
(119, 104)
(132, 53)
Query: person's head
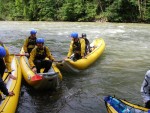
(33, 33)
(83, 35)
(74, 36)
(40, 42)
(2, 52)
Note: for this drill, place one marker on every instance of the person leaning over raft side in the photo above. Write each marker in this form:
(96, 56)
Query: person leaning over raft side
(38, 55)
(4, 58)
(30, 43)
(145, 89)
(77, 46)
(87, 44)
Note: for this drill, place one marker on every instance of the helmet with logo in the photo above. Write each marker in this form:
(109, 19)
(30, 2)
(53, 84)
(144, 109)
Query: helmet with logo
(33, 31)
(74, 35)
(2, 52)
(40, 40)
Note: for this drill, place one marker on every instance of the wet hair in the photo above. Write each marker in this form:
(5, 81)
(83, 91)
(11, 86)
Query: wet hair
(83, 35)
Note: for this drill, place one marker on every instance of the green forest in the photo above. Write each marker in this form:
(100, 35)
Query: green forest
(76, 10)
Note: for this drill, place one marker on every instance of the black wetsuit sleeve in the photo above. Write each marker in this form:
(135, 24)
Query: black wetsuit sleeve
(3, 87)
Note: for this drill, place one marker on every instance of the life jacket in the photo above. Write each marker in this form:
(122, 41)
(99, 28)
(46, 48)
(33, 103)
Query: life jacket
(31, 44)
(77, 46)
(40, 53)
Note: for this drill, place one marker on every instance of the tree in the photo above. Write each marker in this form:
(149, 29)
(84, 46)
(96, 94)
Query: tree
(66, 12)
(122, 11)
(147, 11)
(76, 10)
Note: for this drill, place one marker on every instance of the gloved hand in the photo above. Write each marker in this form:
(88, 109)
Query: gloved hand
(34, 70)
(11, 93)
(26, 54)
(12, 77)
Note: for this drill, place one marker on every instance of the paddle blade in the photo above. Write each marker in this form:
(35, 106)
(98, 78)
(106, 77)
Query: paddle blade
(36, 78)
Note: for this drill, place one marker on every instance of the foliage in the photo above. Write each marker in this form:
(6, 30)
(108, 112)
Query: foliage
(122, 11)
(76, 10)
(147, 11)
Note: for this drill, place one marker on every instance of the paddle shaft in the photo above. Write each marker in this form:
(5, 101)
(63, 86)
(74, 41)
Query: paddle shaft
(58, 61)
(19, 54)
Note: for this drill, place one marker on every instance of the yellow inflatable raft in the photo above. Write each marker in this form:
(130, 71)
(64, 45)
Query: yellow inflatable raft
(47, 80)
(9, 103)
(97, 47)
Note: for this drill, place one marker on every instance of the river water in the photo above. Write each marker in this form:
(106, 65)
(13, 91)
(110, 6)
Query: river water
(119, 71)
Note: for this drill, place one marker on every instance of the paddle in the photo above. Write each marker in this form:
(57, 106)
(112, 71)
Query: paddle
(36, 77)
(19, 54)
(7, 75)
(59, 61)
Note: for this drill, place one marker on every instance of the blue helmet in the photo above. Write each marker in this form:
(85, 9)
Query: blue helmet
(40, 40)
(74, 35)
(33, 32)
(2, 52)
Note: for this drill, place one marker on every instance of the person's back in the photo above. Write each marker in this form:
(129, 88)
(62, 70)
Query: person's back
(88, 50)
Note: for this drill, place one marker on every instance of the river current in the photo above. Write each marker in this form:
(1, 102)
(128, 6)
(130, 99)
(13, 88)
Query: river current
(119, 71)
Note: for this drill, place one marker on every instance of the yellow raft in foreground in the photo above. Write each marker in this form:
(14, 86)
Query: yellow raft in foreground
(9, 104)
(114, 105)
(97, 47)
(49, 80)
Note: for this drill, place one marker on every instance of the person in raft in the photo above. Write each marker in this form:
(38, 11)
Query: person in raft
(77, 47)
(5, 64)
(37, 57)
(30, 42)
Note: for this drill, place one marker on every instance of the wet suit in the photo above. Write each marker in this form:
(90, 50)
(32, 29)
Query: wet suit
(37, 59)
(78, 48)
(2, 84)
(29, 44)
(4, 61)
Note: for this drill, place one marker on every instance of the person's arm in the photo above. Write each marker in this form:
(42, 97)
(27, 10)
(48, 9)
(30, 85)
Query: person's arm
(70, 50)
(8, 64)
(25, 46)
(145, 88)
(88, 42)
(48, 54)
(82, 41)
(88, 45)
(7, 60)
(32, 58)
(3, 87)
